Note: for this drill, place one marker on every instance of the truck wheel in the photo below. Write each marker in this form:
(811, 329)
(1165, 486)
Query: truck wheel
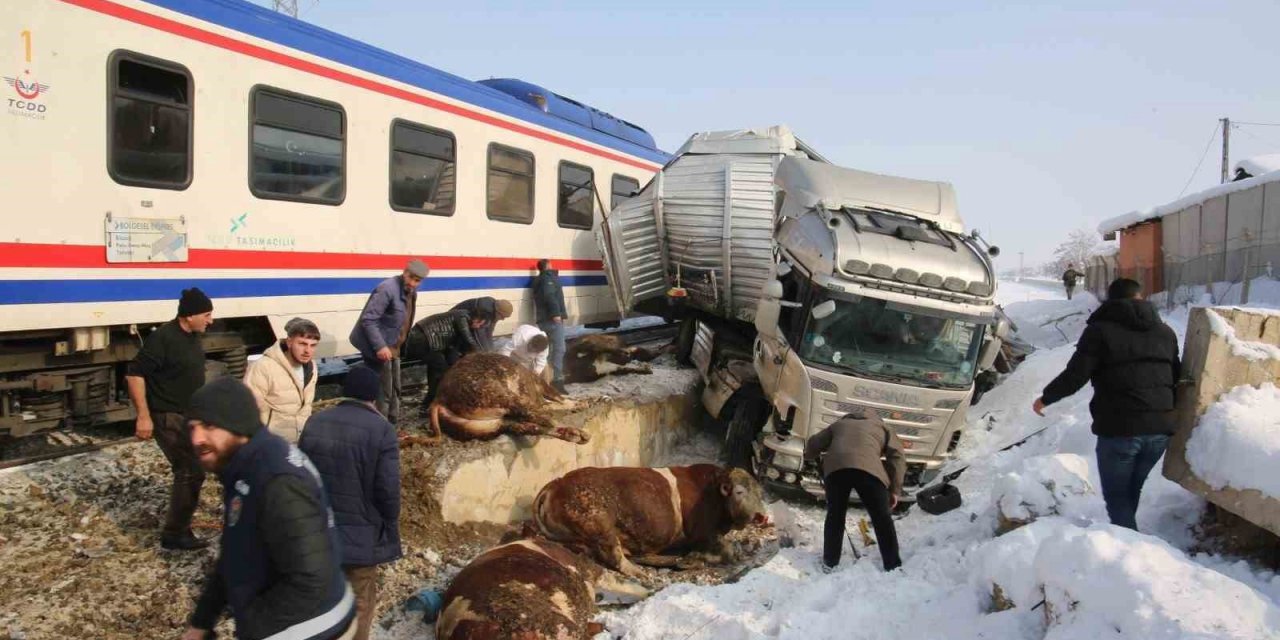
(685, 339)
(748, 418)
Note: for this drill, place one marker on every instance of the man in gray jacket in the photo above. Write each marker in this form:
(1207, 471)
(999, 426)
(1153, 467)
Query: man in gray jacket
(862, 454)
(382, 328)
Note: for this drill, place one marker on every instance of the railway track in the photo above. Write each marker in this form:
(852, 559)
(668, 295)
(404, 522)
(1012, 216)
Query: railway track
(59, 444)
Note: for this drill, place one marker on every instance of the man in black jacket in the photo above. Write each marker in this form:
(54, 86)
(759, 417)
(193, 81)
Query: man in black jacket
(492, 311)
(356, 452)
(1131, 357)
(278, 570)
(1070, 278)
(447, 337)
(161, 379)
(550, 312)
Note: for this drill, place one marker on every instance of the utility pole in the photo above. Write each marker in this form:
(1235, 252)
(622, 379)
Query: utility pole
(1226, 147)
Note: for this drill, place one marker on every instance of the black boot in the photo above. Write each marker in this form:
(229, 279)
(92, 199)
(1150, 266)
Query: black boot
(185, 542)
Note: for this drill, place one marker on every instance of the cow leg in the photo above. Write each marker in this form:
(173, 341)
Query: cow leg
(568, 434)
(610, 588)
(435, 436)
(537, 425)
(657, 560)
(614, 556)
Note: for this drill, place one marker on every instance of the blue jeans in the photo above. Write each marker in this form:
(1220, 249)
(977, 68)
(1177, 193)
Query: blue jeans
(555, 334)
(1123, 465)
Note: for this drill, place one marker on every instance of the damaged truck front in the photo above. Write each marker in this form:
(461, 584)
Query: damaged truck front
(806, 291)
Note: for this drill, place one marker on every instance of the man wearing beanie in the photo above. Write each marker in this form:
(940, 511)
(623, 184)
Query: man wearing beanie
(489, 310)
(356, 452)
(161, 379)
(381, 330)
(278, 569)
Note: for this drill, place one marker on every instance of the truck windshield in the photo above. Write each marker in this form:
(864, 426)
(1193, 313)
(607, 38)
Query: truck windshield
(881, 340)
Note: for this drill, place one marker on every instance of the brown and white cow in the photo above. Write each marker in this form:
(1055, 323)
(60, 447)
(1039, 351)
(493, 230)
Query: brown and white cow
(626, 514)
(485, 395)
(530, 589)
(591, 357)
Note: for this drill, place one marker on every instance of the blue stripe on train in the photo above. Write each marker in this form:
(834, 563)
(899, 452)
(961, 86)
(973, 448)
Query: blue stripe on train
(261, 22)
(125, 290)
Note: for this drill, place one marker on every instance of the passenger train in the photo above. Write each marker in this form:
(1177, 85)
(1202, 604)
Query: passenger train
(283, 169)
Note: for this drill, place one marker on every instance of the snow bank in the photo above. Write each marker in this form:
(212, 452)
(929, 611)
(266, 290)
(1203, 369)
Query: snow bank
(1259, 165)
(1251, 351)
(1044, 486)
(1125, 584)
(1237, 443)
(1129, 219)
(1106, 581)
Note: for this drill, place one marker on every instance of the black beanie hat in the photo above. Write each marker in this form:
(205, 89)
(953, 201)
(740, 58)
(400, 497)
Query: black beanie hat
(361, 383)
(228, 404)
(193, 303)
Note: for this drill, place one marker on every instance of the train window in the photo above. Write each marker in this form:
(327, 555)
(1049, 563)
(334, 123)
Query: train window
(510, 184)
(622, 188)
(149, 122)
(423, 169)
(577, 197)
(298, 149)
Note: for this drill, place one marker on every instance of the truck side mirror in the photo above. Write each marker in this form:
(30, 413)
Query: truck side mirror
(769, 309)
(823, 310)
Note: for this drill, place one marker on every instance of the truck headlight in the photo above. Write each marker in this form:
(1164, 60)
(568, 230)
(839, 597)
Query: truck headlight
(771, 473)
(789, 478)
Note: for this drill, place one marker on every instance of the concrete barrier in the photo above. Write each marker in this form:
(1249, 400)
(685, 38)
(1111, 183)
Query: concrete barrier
(1225, 348)
(496, 481)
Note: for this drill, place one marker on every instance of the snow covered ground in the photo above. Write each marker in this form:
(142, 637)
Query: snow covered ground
(1069, 576)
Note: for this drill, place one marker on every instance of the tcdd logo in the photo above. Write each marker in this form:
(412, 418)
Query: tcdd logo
(27, 89)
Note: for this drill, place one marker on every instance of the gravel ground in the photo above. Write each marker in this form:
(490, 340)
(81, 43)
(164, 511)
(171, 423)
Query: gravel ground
(80, 554)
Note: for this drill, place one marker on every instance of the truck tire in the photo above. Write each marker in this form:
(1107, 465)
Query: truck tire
(745, 425)
(685, 339)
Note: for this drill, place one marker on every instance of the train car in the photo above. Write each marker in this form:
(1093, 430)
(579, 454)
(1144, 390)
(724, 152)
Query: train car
(283, 169)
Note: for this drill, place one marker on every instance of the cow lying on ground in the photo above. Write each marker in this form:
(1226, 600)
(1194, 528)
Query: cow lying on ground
(485, 395)
(527, 590)
(626, 514)
(592, 357)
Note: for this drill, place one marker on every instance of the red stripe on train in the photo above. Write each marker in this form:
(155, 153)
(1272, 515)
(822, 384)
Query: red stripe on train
(59, 256)
(223, 42)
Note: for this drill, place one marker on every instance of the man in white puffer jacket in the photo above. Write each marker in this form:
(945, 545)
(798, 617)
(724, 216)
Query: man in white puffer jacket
(283, 380)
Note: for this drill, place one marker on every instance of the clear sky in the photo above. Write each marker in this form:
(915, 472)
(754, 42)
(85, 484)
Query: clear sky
(1045, 118)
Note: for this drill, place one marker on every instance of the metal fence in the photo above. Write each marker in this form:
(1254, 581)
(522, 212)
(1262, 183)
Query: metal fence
(1222, 275)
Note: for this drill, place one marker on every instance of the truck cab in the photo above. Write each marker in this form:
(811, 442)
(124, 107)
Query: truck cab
(807, 290)
(880, 302)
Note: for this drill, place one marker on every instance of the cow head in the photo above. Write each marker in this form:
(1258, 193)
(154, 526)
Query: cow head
(745, 499)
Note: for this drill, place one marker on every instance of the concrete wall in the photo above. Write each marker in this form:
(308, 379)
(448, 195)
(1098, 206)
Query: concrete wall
(496, 481)
(1209, 360)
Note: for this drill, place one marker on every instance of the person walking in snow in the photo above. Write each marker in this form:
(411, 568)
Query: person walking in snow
(862, 454)
(1069, 279)
(1131, 357)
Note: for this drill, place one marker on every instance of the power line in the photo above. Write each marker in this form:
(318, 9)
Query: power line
(1204, 154)
(1257, 124)
(1259, 138)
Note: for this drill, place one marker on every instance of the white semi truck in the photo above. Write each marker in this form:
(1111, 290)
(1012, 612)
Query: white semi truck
(806, 290)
